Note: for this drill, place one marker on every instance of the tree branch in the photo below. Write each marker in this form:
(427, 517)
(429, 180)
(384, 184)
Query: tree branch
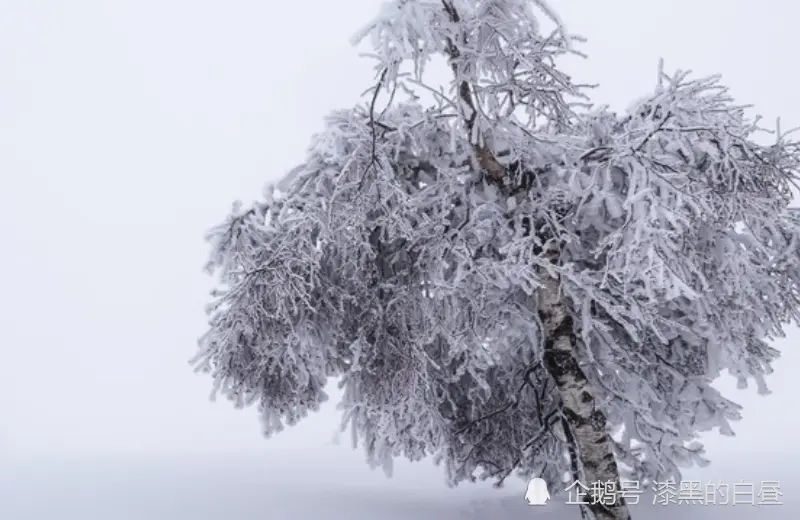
(485, 157)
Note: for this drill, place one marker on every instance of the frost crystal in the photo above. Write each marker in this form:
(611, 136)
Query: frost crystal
(405, 256)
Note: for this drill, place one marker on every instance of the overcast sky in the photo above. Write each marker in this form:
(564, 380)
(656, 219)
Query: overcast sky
(127, 128)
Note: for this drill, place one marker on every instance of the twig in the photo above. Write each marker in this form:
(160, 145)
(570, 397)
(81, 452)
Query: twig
(373, 156)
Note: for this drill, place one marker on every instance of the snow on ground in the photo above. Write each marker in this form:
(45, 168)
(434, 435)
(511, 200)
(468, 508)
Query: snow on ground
(326, 482)
(309, 473)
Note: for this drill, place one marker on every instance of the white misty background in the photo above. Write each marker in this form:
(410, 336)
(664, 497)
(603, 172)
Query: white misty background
(126, 128)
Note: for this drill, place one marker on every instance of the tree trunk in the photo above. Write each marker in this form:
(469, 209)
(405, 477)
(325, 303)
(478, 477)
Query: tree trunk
(586, 426)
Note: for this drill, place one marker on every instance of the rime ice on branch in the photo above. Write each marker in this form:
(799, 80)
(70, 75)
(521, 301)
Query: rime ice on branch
(507, 276)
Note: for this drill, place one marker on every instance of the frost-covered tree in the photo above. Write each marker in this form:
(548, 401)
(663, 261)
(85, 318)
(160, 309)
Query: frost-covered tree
(507, 278)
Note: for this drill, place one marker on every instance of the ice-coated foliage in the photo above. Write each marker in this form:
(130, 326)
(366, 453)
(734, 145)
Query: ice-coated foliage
(402, 256)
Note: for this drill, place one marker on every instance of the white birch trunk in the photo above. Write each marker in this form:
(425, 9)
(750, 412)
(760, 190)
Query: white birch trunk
(586, 426)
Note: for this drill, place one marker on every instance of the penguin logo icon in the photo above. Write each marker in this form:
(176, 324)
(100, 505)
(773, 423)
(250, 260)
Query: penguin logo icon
(537, 494)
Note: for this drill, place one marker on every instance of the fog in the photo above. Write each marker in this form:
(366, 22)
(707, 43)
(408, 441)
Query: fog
(128, 128)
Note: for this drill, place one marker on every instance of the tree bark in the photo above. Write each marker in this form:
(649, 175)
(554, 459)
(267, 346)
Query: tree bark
(586, 428)
(585, 424)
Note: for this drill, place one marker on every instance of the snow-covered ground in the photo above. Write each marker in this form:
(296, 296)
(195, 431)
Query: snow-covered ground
(310, 472)
(323, 483)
